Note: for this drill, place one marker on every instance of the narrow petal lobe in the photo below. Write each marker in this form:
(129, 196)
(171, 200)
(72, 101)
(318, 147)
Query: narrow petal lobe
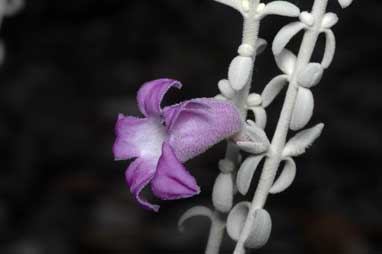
(138, 175)
(150, 95)
(172, 180)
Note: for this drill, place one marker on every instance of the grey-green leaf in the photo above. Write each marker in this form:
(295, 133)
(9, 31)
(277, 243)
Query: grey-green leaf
(330, 48)
(302, 140)
(285, 35)
(246, 173)
(303, 109)
(273, 88)
(286, 177)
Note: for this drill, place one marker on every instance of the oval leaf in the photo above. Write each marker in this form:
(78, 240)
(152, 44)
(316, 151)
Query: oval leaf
(261, 45)
(246, 173)
(195, 211)
(222, 193)
(226, 89)
(261, 230)
(311, 75)
(240, 71)
(236, 219)
(273, 88)
(260, 116)
(255, 133)
(330, 48)
(303, 109)
(302, 141)
(286, 61)
(285, 35)
(252, 147)
(282, 8)
(329, 20)
(286, 177)
(345, 3)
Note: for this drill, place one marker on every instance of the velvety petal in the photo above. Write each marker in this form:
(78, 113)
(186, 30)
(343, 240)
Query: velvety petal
(151, 94)
(194, 126)
(172, 180)
(138, 175)
(138, 138)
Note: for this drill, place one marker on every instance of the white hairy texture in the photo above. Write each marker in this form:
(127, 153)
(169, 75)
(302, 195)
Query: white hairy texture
(286, 61)
(246, 50)
(281, 8)
(246, 173)
(243, 220)
(226, 89)
(222, 193)
(285, 35)
(330, 48)
(310, 75)
(303, 109)
(226, 166)
(302, 141)
(260, 229)
(256, 133)
(240, 71)
(286, 177)
(254, 100)
(260, 46)
(329, 20)
(307, 18)
(273, 88)
(260, 116)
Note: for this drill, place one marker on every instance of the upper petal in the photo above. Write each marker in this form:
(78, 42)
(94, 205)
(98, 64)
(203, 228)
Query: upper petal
(138, 175)
(194, 126)
(151, 94)
(136, 137)
(172, 180)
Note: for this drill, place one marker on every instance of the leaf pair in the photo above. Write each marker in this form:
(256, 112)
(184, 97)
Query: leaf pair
(261, 225)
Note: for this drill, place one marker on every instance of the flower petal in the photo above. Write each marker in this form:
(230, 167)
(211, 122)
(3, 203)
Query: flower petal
(172, 180)
(151, 94)
(137, 137)
(194, 126)
(138, 175)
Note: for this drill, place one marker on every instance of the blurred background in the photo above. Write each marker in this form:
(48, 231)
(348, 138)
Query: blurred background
(72, 66)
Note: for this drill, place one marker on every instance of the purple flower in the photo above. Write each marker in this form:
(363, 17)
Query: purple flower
(166, 137)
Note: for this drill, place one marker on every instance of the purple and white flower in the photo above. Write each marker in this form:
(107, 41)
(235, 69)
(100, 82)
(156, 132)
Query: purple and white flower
(167, 137)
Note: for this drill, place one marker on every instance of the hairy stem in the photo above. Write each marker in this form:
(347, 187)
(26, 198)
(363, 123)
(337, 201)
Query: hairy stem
(250, 35)
(216, 235)
(278, 142)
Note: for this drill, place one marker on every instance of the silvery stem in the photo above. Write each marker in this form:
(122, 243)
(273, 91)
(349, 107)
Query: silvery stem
(278, 142)
(216, 235)
(250, 35)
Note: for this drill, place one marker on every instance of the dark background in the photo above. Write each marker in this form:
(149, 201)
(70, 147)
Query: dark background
(71, 66)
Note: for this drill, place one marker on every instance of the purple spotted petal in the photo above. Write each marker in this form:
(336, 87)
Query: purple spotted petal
(172, 180)
(138, 138)
(138, 175)
(198, 124)
(150, 95)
